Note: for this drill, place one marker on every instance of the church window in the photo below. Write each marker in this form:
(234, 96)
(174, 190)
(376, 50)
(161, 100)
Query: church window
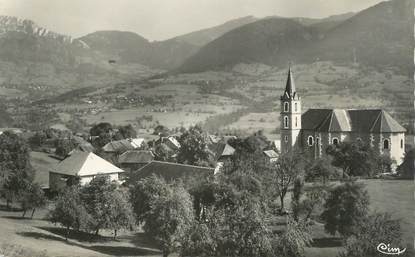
(310, 140)
(286, 139)
(386, 144)
(296, 121)
(285, 107)
(402, 143)
(285, 122)
(295, 107)
(335, 141)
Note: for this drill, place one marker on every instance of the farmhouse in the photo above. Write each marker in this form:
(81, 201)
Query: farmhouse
(120, 146)
(85, 165)
(133, 160)
(316, 129)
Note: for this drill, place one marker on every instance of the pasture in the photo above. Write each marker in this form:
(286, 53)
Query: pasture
(37, 237)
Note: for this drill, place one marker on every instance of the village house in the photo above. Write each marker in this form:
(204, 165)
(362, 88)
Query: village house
(121, 146)
(135, 159)
(85, 165)
(316, 129)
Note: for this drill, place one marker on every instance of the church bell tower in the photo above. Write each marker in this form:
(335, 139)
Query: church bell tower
(290, 117)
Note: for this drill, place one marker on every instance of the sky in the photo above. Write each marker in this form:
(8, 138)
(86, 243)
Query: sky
(163, 19)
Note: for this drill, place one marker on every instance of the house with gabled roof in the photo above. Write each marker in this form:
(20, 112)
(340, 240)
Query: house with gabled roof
(120, 146)
(135, 159)
(316, 129)
(86, 166)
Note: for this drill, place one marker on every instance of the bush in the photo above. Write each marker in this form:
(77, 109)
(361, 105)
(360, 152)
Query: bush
(373, 230)
(346, 206)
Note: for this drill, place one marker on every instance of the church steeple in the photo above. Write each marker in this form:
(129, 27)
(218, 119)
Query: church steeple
(290, 91)
(290, 119)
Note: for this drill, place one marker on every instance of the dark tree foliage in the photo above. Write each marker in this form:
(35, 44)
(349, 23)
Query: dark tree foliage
(69, 211)
(346, 206)
(354, 158)
(320, 170)
(125, 132)
(96, 197)
(373, 230)
(64, 146)
(100, 128)
(166, 211)
(16, 172)
(142, 194)
(407, 169)
(161, 130)
(194, 150)
(33, 197)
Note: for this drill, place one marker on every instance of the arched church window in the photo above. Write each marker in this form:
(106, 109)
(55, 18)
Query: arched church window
(295, 107)
(386, 144)
(285, 122)
(310, 140)
(286, 107)
(296, 121)
(335, 141)
(401, 143)
(286, 139)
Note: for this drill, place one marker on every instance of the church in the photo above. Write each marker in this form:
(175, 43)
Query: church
(314, 130)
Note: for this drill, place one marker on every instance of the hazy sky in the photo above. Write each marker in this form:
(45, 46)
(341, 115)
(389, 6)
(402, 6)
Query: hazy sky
(161, 19)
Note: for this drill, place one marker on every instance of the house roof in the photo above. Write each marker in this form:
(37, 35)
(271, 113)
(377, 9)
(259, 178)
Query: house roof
(271, 154)
(123, 145)
(142, 156)
(85, 164)
(42, 163)
(339, 120)
(171, 171)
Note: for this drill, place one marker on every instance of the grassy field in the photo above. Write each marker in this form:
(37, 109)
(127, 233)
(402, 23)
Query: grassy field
(42, 238)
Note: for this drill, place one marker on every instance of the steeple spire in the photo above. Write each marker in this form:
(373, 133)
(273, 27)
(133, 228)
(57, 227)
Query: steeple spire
(290, 91)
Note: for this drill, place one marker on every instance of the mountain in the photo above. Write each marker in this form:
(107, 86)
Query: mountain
(129, 47)
(379, 36)
(22, 40)
(204, 36)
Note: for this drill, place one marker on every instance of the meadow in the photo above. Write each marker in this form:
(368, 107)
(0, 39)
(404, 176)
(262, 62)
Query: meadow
(37, 237)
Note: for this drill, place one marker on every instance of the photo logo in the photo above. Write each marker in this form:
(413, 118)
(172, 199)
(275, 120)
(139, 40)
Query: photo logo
(387, 249)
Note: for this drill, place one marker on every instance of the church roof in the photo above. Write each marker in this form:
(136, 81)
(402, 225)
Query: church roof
(339, 120)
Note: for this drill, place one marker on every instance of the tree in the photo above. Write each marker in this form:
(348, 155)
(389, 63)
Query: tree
(283, 173)
(121, 215)
(193, 150)
(355, 159)
(294, 240)
(169, 218)
(143, 193)
(373, 230)
(97, 199)
(320, 169)
(125, 132)
(64, 146)
(298, 191)
(32, 198)
(346, 206)
(100, 128)
(407, 168)
(16, 172)
(69, 211)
